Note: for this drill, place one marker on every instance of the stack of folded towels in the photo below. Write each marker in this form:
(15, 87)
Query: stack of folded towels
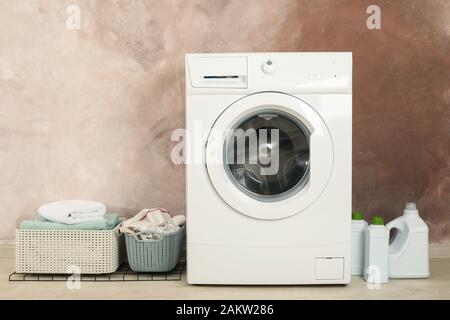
(72, 215)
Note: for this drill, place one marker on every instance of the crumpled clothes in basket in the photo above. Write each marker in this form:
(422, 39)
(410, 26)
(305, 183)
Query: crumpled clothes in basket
(150, 224)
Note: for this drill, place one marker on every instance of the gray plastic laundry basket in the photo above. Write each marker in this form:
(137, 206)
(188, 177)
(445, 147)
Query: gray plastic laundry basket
(155, 255)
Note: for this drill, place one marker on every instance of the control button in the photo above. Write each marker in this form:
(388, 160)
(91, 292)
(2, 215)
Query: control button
(268, 66)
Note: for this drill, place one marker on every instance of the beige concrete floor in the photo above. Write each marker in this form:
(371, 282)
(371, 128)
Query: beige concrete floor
(436, 287)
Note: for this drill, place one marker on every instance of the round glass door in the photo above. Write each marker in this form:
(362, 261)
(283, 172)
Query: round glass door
(267, 155)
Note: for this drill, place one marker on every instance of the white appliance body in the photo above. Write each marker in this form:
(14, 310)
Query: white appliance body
(302, 236)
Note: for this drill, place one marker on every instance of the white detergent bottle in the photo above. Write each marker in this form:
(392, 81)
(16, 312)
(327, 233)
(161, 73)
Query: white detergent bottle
(376, 252)
(408, 251)
(359, 229)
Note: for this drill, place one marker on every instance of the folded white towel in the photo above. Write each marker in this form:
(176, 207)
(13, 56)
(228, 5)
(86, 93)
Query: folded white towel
(72, 211)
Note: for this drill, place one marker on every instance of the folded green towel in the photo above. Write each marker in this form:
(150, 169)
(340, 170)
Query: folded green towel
(108, 222)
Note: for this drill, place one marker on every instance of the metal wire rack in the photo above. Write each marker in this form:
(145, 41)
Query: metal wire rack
(124, 273)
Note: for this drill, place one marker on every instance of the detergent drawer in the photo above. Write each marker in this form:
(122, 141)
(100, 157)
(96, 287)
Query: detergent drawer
(218, 72)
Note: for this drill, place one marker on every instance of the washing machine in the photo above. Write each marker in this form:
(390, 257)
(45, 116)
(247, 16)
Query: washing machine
(268, 152)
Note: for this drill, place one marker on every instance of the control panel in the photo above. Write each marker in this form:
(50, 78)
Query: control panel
(306, 72)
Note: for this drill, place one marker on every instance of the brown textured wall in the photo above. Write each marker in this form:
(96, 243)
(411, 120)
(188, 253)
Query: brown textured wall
(89, 113)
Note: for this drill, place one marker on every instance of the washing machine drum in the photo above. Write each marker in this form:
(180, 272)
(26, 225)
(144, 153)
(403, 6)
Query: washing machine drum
(280, 143)
(269, 155)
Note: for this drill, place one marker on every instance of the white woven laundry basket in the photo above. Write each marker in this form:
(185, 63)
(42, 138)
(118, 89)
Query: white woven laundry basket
(68, 251)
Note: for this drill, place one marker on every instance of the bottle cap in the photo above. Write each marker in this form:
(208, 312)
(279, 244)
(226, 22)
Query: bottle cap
(377, 220)
(410, 206)
(357, 215)
(410, 209)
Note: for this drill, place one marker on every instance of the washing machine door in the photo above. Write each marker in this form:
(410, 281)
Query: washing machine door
(269, 155)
